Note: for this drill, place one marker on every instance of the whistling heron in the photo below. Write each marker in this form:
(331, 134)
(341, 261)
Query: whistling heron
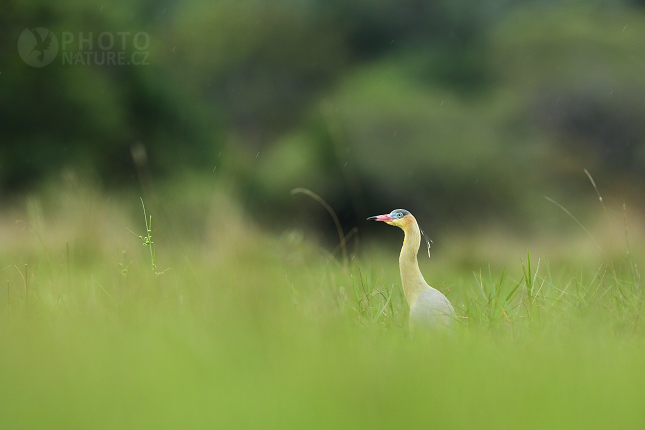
(428, 307)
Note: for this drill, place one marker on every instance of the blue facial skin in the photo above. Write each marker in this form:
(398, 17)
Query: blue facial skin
(399, 213)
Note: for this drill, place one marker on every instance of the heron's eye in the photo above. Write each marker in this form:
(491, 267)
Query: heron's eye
(397, 214)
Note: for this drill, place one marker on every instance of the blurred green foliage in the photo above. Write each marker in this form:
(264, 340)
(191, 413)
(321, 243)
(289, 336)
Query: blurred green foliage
(466, 112)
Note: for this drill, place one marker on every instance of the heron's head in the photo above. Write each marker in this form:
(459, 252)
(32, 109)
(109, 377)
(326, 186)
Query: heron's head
(398, 217)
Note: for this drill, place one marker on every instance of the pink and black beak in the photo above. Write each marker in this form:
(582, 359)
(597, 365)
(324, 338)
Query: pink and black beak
(386, 218)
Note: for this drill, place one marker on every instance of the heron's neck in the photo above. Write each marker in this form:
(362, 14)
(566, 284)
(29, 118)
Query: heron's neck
(411, 277)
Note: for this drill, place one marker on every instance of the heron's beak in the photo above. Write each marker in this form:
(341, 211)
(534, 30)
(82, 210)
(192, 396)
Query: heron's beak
(385, 218)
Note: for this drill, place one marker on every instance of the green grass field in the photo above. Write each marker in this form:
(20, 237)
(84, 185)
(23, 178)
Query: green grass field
(245, 329)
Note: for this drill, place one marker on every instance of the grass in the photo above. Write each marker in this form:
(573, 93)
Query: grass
(253, 330)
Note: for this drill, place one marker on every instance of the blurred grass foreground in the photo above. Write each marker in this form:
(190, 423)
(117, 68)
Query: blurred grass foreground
(232, 303)
(237, 328)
